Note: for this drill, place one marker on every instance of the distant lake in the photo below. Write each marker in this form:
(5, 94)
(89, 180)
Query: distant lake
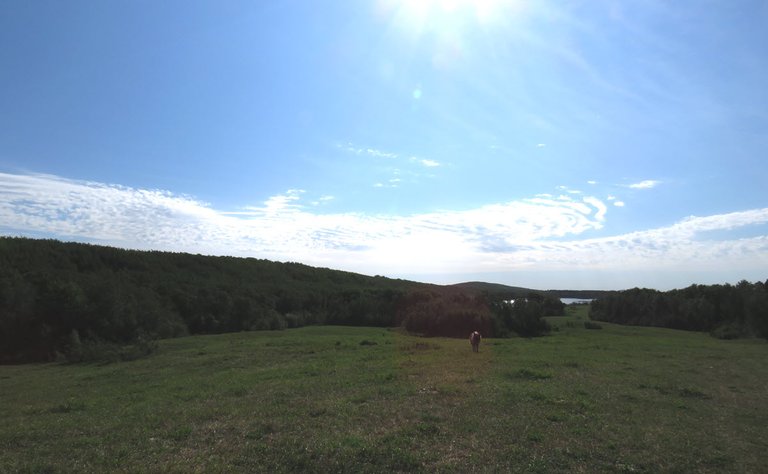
(576, 300)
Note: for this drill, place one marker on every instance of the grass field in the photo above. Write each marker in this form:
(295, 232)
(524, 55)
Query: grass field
(616, 399)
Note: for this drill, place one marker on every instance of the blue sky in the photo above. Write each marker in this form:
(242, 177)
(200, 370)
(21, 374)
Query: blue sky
(571, 144)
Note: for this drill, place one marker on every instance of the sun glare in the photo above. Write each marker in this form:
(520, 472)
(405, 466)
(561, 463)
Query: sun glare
(447, 29)
(437, 15)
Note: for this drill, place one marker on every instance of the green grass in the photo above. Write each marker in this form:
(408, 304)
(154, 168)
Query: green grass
(326, 399)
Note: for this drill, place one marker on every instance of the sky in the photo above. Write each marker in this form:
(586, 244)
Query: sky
(565, 144)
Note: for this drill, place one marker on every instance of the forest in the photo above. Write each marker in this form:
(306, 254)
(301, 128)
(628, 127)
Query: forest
(726, 311)
(76, 301)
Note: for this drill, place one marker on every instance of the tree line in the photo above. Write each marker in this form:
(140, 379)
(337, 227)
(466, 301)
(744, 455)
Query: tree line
(726, 311)
(73, 300)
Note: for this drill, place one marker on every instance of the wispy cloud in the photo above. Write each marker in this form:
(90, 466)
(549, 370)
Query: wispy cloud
(323, 200)
(543, 232)
(646, 184)
(569, 190)
(429, 163)
(280, 203)
(374, 152)
(390, 183)
(409, 165)
(379, 153)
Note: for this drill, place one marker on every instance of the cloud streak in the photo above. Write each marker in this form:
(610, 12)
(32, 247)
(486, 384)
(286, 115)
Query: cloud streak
(646, 184)
(428, 163)
(543, 232)
(374, 152)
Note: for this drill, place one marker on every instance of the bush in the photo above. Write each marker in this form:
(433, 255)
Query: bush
(730, 330)
(591, 325)
(98, 350)
(73, 350)
(143, 347)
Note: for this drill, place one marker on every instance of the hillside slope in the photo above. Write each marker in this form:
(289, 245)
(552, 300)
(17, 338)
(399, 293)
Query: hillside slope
(343, 399)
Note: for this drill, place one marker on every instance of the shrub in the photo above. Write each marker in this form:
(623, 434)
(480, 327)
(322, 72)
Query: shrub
(591, 325)
(729, 330)
(143, 347)
(98, 350)
(73, 350)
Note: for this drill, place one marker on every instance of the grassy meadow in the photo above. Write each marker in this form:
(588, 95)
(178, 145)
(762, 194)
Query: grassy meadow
(324, 399)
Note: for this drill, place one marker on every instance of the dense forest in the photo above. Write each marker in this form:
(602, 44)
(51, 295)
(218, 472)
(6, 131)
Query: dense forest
(726, 311)
(77, 301)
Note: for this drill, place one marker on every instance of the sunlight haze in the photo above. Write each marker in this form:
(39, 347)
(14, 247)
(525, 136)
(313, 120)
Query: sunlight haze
(569, 145)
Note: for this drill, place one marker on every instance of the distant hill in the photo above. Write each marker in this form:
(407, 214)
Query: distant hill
(517, 291)
(585, 294)
(492, 288)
